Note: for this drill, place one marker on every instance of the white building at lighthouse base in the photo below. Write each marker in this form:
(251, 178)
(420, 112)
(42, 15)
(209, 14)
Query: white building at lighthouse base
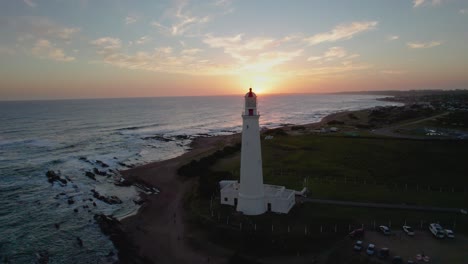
(277, 199)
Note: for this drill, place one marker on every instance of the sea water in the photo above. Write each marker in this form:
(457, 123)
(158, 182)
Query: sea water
(69, 136)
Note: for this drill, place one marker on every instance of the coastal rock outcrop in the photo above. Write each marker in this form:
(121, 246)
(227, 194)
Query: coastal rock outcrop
(107, 199)
(53, 176)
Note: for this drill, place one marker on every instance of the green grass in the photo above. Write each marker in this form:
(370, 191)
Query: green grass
(372, 169)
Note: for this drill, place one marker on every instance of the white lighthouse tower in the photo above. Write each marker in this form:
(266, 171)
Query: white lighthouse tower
(251, 196)
(251, 191)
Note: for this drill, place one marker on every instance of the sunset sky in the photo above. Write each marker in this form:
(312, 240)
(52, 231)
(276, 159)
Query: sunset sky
(52, 49)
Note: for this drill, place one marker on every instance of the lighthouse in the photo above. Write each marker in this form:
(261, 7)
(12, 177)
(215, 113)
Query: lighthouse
(251, 191)
(251, 196)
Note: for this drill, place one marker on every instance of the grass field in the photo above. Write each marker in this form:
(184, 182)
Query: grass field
(370, 169)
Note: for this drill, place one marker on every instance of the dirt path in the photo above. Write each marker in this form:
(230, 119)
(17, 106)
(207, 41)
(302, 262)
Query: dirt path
(158, 228)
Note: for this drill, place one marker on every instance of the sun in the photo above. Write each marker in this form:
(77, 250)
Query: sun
(260, 84)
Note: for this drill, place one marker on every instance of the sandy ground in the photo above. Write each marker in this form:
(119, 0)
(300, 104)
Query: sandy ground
(158, 228)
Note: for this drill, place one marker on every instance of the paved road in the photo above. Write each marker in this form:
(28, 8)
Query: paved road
(389, 131)
(380, 205)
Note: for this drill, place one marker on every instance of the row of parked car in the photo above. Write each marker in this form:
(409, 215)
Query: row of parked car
(436, 229)
(382, 253)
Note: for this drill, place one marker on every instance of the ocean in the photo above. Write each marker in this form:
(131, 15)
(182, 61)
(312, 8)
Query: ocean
(73, 137)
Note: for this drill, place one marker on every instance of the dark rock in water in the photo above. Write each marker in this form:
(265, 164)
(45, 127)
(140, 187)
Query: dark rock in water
(140, 201)
(80, 242)
(90, 175)
(159, 138)
(122, 182)
(57, 225)
(62, 193)
(106, 199)
(83, 158)
(181, 137)
(70, 201)
(94, 203)
(127, 251)
(100, 162)
(98, 172)
(42, 257)
(75, 210)
(52, 177)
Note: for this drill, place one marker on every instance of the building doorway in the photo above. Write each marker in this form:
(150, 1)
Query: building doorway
(269, 207)
(235, 201)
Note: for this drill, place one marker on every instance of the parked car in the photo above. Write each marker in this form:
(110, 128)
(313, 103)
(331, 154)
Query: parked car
(449, 233)
(437, 230)
(397, 260)
(358, 245)
(408, 230)
(357, 233)
(385, 230)
(370, 249)
(384, 253)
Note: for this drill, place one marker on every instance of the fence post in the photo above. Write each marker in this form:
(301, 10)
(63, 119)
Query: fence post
(321, 228)
(421, 224)
(272, 228)
(289, 230)
(227, 221)
(305, 230)
(255, 227)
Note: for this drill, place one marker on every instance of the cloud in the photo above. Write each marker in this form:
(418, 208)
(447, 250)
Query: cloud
(107, 45)
(143, 40)
(423, 45)
(183, 21)
(45, 49)
(41, 27)
(392, 37)
(267, 60)
(392, 72)
(130, 20)
(30, 3)
(463, 11)
(418, 3)
(332, 54)
(238, 48)
(342, 32)
(190, 51)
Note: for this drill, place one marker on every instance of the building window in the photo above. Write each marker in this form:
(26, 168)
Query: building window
(225, 199)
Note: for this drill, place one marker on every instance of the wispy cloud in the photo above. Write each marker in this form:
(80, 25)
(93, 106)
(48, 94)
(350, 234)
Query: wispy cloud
(107, 45)
(42, 27)
(143, 40)
(45, 49)
(393, 72)
(418, 3)
(183, 21)
(30, 3)
(463, 11)
(342, 32)
(423, 45)
(392, 37)
(238, 48)
(130, 20)
(161, 59)
(333, 53)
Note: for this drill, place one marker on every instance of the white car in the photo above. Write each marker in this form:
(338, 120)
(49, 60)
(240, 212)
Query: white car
(449, 233)
(437, 230)
(370, 249)
(408, 230)
(358, 245)
(385, 230)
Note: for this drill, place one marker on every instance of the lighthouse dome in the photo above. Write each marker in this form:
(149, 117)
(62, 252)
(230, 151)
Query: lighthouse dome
(250, 93)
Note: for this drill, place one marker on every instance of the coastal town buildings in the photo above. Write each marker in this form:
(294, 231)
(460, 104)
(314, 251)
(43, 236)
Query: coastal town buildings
(251, 196)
